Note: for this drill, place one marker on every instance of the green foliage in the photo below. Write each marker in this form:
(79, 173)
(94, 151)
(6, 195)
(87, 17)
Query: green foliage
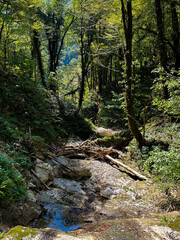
(9, 129)
(1, 234)
(12, 185)
(161, 155)
(164, 163)
(20, 160)
(91, 105)
(24, 105)
(76, 125)
(171, 106)
(113, 113)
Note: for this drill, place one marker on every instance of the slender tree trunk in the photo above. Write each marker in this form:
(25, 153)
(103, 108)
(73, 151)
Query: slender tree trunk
(83, 73)
(161, 42)
(175, 34)
(85, 59)
(110, 71)
(39, 57)
(1, 30)
(127, 21)
(160, 34)
(100, 80)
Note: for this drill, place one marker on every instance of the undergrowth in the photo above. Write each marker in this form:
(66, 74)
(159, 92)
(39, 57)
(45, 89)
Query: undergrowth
(161, 156)
(12, 184)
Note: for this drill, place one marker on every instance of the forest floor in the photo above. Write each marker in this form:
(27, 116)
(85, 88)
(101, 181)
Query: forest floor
(108, 201)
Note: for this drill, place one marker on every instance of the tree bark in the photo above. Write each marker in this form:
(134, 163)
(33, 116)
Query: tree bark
(127, 22)
(83, 70)
(160, 34)
(132, 171)
(175, 34)
(39, 57)
(85, 59)
(161, 42)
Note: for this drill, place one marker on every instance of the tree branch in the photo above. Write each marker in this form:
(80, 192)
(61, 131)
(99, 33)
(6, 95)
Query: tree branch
(62, 43)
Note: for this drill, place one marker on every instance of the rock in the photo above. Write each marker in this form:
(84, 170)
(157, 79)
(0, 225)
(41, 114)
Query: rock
(65, 192)
(104, 132)
(44, 171)
(165, 233)
(23, 233)
(119, 140)
(68, 185)
(62, 197)
(21, 213)
(39, 155)
(64, 161)
(27, 233)
(57, 171)
(78, 173)
(107, 193)
(31, 185)
(31, 196)
(50, 154)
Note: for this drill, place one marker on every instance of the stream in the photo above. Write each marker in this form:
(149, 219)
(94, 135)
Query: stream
(94, 200)
(59, 217)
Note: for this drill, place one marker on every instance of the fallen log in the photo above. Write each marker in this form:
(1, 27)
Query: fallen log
(126, 167)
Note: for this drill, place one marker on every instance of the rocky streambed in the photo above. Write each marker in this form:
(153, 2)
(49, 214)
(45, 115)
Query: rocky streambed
(91, 198)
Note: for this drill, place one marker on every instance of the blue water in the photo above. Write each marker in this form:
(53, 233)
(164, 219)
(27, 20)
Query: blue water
(60, 217)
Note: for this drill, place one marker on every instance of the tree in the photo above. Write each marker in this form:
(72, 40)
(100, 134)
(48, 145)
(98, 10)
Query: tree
(86, 32)
(175, 34)
(128, 25)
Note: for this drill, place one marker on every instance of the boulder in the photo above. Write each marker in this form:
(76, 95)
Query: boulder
(44, 171)
(77, 173)
(65, 192)
(27, 233)
(21, 213)
(68, 185)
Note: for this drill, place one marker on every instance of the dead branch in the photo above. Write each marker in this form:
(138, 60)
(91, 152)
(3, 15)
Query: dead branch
(90, 150)
(126, 167)
(39, 179)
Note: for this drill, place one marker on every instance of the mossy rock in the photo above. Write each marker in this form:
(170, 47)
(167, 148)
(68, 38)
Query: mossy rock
(27, 233)
(118, 141)
(22, 233)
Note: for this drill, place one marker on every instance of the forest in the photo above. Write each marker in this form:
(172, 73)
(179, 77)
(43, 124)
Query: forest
(70, 67)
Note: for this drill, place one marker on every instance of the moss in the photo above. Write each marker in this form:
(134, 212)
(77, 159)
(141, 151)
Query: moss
(175, 224)
(171, 220)
(118, 141)
(20, 232)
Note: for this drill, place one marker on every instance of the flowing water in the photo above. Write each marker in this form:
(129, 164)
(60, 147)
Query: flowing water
(59, 217)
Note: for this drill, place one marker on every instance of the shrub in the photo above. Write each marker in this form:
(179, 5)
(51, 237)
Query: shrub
(161, 155)
(12, 185)
(170, 106)
(164, 164)
(113, 113)
(9, 129)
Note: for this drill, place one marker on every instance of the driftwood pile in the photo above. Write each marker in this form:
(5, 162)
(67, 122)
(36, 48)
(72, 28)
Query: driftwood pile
(85, 150)
(90, 150)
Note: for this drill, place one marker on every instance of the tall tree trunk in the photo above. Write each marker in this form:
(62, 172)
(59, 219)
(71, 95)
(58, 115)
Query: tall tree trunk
(39, 57)
(100, 80)
(175, 34)
(83, 67)
(127, 22)
(85, 59)
(1, 30)
(160, 34)
(161, 42)
(110, 70)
